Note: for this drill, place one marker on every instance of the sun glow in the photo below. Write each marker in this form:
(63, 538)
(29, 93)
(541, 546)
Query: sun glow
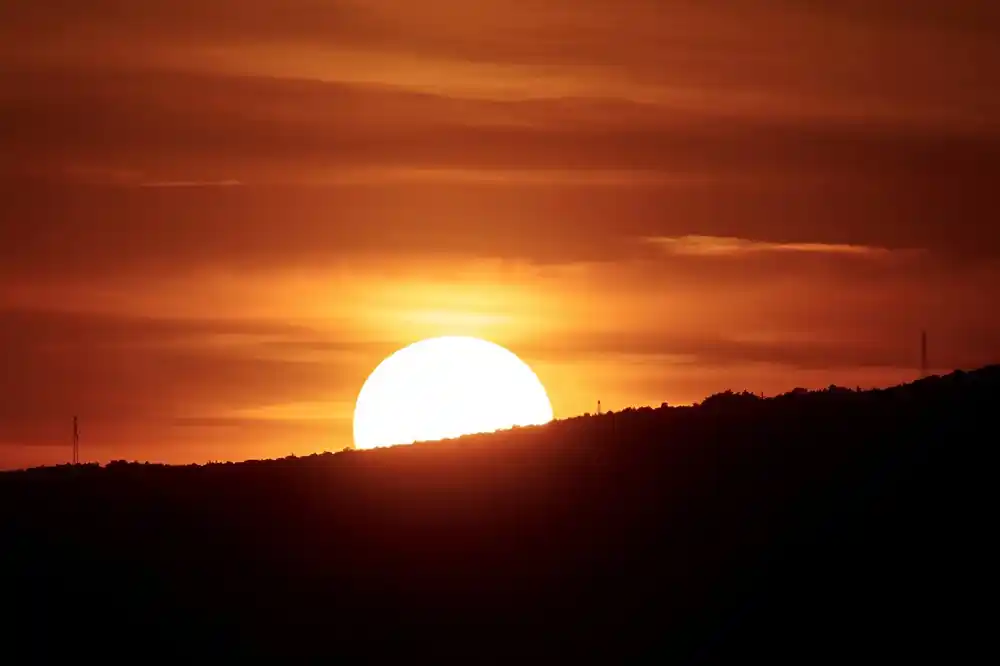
(446, 387)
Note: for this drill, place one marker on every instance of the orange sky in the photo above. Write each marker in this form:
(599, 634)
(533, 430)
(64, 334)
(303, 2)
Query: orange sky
(217, 217)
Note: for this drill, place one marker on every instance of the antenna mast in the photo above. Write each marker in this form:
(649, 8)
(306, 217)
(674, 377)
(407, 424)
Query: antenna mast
(923, 354)
(76, 441)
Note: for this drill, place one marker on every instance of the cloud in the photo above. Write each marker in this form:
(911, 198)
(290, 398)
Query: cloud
(161, 388)
(247, 122)
(128, 370)
(788, 351)
(715, 246)
(822, 55)
(192, 183)
(784, 309)
(350, 168)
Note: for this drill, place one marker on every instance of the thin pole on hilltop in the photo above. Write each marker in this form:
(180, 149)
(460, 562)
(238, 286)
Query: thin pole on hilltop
(76, 441)
(923, 354)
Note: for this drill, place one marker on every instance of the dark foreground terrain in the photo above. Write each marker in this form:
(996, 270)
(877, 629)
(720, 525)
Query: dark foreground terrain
(809, 527)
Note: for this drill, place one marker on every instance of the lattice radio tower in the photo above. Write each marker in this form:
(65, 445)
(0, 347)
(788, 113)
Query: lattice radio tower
(923, 354)
(76, 441)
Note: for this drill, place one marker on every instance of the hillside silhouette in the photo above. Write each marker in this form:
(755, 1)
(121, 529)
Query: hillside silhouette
(808, 527)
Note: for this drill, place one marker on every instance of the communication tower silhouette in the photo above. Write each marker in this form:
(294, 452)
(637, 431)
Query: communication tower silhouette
(923, 354)
(76, 441)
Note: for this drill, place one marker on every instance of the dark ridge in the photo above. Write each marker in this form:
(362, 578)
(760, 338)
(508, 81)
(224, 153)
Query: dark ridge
(809, 527)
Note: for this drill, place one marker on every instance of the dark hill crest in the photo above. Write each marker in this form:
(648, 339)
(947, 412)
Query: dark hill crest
(803, 527)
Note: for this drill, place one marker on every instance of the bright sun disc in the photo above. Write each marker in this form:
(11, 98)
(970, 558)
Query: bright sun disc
(446, 387)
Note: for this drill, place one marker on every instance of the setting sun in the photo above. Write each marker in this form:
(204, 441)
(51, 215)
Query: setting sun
(446, 387)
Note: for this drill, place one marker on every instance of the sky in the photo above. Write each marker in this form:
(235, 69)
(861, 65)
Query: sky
(218, 216)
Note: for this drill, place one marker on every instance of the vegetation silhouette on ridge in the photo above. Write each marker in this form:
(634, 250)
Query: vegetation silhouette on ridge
(807, 526)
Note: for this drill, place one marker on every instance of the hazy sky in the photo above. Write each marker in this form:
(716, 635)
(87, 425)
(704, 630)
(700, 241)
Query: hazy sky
(217, 216)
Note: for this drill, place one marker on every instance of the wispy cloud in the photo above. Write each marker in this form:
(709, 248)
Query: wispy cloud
(727, 246)
(192, 183)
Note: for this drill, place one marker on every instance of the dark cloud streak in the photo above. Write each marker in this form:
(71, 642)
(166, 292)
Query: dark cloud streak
(777, 180)
(192, 118)
(133, 368)
(713, 351)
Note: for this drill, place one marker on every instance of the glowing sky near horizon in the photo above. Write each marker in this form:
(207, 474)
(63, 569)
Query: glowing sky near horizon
(217, 218)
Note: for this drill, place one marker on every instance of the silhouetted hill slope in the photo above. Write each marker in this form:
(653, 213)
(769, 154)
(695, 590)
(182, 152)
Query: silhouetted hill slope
(801, 528)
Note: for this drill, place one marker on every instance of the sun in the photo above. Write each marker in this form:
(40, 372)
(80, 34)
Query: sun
(446, 387)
